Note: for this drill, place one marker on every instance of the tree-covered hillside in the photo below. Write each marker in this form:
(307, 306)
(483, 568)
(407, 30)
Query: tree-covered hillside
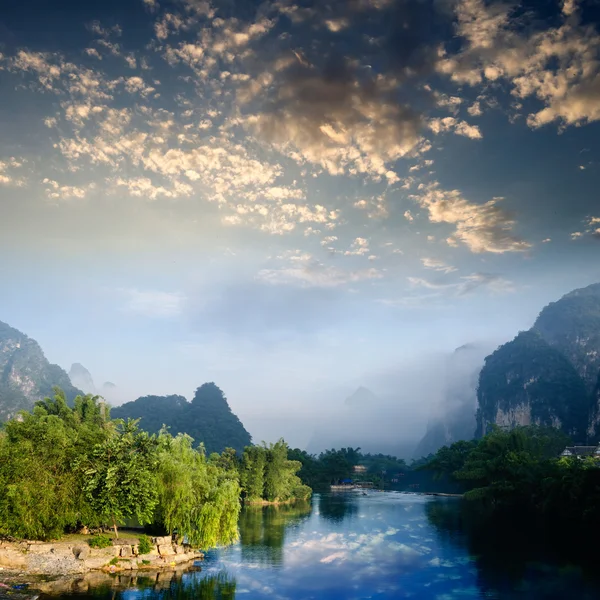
(525, 382)
(572, 326)
(26, 376)
(550, 374)
(207, 418)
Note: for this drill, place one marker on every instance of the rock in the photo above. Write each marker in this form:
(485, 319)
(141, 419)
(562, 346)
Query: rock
(162, 541)
(81, 552)
(179, 550)
(126, 551)
(125, 542)
(39, 548)
(166, 550)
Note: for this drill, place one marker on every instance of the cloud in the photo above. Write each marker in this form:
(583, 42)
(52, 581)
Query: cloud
(152, 303)
(376, 207)
(359, 247)
(593, 229)
(481, 227)
(329, 116)
(56, 191)
(438, 292)
(452, 124)
(559, 66)
(408, 216)
(313, 273)
(437, 265)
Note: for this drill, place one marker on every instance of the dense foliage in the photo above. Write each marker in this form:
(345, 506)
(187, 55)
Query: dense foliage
(332, 466)
(267, 474)
(207, 418)
(62, 468)
(522, 468)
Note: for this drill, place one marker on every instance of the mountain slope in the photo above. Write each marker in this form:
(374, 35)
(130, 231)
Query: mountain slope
(549, 375)
(25, 374)
(525, 382)
(572, 326)
(207, 418)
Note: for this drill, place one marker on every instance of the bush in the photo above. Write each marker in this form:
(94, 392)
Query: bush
(100, 541)
(114, 561)
(144, 545)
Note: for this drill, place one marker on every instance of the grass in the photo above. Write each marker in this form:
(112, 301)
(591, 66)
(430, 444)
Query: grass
(123, 533)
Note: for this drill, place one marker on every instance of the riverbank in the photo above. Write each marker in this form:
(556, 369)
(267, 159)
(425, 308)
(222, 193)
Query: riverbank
(75, 556)
(17, 585)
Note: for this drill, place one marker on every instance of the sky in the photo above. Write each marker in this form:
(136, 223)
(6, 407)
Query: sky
(292, 198)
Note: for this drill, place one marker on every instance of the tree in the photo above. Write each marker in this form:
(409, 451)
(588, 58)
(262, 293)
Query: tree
(120, 475)
(197, 499)
(252, 473)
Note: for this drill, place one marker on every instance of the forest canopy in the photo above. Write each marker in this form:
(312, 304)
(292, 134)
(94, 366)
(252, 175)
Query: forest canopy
(63, 468)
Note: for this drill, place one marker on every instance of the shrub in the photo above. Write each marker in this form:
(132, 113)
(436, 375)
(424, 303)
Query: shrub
(100, 541)
(114, 561)
(144, 545)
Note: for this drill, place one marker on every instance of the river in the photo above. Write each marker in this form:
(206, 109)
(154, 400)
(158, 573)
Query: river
(383, 545)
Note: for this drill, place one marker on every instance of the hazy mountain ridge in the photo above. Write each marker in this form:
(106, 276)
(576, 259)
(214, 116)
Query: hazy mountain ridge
(207, 418)
(453, 418)
(25, 373)
(549, 375)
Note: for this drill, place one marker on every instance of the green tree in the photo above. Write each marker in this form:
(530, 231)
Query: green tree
(197, 499)
(119, 476)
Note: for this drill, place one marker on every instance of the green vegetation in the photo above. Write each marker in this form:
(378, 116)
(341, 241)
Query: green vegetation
(268, 475)
(207, 418)
(333, 466)
(144, 545)
(100, 541)
(506, 470)
(64, 468)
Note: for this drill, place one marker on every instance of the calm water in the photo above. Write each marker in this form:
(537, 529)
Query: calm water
(383, 545)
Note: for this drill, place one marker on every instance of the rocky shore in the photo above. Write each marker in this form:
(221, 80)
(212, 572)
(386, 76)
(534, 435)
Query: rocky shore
(76, 558)
(18, 585)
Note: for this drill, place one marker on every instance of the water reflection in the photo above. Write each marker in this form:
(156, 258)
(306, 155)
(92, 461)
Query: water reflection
(336, 507)
(185, 584)
(263, 530)
(383, 545)
(514, 557)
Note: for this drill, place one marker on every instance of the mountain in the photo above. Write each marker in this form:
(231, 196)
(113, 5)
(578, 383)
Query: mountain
(207, 418)
(362, 398)
(453, 417)
(549, 375)
(81, 378)
(25, 374)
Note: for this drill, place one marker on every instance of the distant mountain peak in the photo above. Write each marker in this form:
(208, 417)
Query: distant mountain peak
(80, 377)
(25, 373)
(361, 397)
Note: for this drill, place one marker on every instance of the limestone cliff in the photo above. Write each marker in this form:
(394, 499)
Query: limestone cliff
(527, 382)
(25, 374)
(572, 326)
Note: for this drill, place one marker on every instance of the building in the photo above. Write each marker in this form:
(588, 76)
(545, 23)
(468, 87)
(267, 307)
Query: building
(582, 451)
(359, 469)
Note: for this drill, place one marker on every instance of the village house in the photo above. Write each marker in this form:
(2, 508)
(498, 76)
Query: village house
(582, 451)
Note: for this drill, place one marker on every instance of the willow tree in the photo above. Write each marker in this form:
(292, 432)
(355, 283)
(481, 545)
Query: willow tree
(197, 499)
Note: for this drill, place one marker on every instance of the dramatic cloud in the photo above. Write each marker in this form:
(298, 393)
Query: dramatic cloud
(559, 66)
(481, 227)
